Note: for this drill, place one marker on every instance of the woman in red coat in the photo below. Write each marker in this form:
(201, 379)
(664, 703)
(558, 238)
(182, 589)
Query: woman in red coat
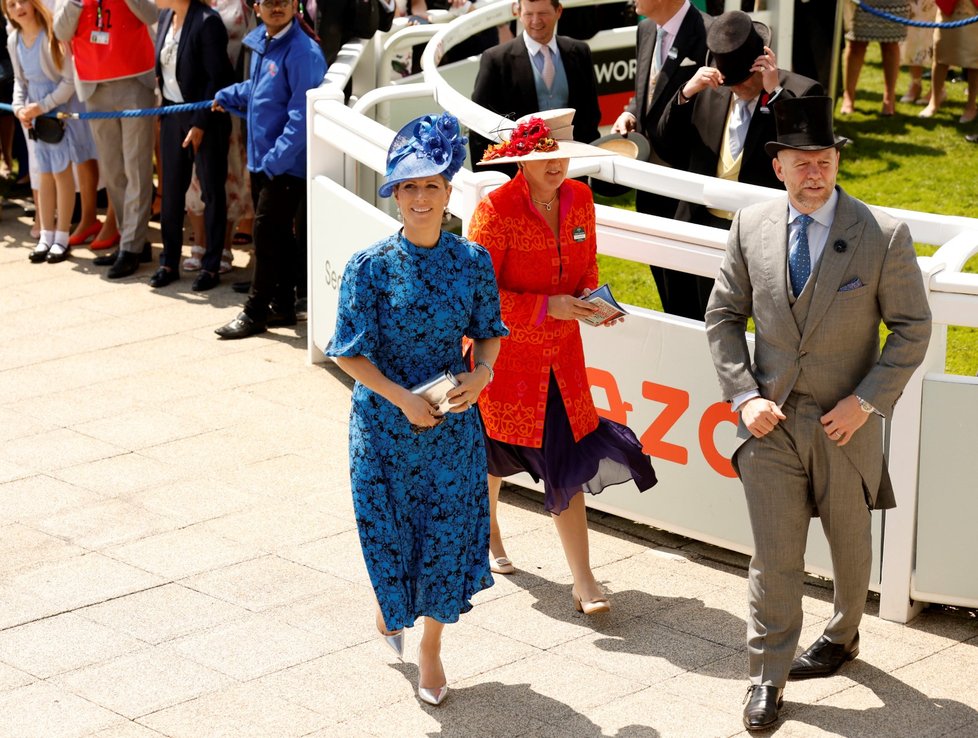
(539, 417)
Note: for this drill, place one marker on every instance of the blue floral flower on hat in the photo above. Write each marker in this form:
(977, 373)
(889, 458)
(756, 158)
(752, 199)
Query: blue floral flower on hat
(426, 146)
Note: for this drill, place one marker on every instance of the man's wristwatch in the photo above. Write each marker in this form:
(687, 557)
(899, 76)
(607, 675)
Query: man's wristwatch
(492, 374)
(864, 406)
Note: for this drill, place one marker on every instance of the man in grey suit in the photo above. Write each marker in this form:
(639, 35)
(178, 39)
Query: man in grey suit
(818, 273)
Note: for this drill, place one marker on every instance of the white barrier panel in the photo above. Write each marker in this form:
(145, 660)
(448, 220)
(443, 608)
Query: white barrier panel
(947, 507)
(340, 224)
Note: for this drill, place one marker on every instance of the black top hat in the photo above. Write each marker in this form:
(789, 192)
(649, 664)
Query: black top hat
(735, 41)
(805, 124)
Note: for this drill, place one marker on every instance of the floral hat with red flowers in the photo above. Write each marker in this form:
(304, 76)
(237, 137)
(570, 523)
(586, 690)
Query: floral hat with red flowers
(426, 146)
(548, 134)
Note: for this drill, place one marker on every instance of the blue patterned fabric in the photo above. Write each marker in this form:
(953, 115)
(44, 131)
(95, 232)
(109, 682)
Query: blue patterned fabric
(420, 500)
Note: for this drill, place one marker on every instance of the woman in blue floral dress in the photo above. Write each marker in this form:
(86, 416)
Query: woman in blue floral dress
(419, 476)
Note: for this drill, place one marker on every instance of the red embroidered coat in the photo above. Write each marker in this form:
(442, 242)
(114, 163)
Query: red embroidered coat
(530, 266)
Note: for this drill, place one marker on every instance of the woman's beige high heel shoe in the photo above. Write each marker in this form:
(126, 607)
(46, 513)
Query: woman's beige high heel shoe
(501, 565)
(591, 607)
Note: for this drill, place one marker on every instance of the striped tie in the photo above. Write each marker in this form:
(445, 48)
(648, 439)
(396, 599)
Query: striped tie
(800, 258)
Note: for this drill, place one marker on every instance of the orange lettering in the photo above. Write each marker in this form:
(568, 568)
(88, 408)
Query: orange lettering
(715, 414)
(618, 409)
(676, 402)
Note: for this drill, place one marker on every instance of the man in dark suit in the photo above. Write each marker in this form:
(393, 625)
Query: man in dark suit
(671, 46)
(663, 66)
(718, 123)
(538, 70)
(819, 272)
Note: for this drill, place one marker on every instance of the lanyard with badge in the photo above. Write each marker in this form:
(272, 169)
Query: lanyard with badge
(103, 22)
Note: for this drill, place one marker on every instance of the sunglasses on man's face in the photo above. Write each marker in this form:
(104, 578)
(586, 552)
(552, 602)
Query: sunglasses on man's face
(275, 3)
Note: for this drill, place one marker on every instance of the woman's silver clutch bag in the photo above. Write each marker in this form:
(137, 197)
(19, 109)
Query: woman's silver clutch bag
(436, 389)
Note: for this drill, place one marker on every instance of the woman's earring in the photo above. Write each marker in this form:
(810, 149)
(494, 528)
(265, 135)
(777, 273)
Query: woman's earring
(399, 216)
(446, 215)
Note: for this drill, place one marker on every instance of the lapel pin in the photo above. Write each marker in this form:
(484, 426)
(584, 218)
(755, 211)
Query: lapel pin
(840, 246)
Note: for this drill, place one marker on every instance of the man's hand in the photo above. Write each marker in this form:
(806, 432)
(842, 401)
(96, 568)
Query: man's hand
(705, 77)
(842, 421)
(625, 124)
(767, 65)
(760, 416)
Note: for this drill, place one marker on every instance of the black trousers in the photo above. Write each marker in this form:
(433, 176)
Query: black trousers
(280, 244)
(178, 163)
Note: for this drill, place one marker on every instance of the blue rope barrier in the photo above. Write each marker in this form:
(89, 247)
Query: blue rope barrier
(140, 113)
(909, 22)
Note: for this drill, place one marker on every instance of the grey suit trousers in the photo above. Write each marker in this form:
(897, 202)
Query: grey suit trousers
(125, 156)
(786, 474)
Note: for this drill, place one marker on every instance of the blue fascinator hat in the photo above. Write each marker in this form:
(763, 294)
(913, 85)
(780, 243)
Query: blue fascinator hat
(429, 145)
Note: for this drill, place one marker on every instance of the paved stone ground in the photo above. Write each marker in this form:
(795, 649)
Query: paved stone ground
(178, 557)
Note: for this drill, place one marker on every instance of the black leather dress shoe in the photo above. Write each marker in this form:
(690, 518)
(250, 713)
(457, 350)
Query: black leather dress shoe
(104, 260)
(145, 256)
(972, 138)
(205, 281)
(241, 327)
(278, 317)
(762, 710)
(823, 658)
(125, 265)
(162, 277)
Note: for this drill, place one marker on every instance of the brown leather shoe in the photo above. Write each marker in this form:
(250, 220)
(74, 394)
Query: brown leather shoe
(823, 658)
(762, 710)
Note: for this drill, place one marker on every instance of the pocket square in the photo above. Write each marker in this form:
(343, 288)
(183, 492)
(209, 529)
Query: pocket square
(687, 62)
(853, 284)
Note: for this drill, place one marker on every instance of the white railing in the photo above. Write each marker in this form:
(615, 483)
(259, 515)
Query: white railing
(655, 373)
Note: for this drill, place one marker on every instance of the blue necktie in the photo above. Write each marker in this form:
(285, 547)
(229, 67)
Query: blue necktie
(800, 258)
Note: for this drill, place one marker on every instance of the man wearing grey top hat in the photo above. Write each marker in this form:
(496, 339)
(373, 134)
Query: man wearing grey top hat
(818, 273)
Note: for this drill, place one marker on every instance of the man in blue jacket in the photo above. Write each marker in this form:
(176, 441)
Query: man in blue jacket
(285, 64)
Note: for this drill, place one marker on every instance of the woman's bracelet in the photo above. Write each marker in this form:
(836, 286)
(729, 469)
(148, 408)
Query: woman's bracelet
(492, 374)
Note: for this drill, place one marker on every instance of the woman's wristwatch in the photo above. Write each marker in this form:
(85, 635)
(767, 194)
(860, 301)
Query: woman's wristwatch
(492, 374)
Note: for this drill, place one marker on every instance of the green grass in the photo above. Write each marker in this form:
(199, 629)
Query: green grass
(901, 161)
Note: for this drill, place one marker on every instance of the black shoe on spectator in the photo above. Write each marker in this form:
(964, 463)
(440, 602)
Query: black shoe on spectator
(241, 327)
(162, 277)
(205, 281)
(125, 265)
(242, 288)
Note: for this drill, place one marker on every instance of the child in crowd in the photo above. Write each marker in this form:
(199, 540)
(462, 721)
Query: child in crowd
(44, 82)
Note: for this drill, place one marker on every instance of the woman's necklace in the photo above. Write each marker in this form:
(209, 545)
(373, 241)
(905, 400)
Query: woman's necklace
(547, 205)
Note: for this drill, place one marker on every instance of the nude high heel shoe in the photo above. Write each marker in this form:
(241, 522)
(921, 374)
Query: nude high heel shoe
(590, 607)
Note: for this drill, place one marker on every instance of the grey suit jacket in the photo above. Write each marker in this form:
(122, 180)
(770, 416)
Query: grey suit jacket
(839, 349)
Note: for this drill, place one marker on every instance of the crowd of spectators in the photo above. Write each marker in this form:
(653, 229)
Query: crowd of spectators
(213, 169)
